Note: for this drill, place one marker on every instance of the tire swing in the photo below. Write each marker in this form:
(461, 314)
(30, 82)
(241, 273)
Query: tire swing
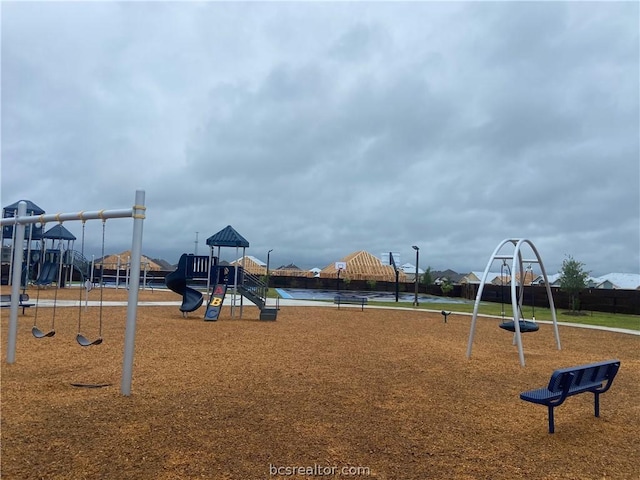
(526, 326)
(80, 338)
(36, 332)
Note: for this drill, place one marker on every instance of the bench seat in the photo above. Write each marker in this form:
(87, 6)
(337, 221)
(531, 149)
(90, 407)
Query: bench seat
(595, 378)
(350, 300)
(544, 396)
(5, 301)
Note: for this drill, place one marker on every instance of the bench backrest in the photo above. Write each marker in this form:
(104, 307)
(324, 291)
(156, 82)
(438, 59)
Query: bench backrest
(7, 298)
(584, 375)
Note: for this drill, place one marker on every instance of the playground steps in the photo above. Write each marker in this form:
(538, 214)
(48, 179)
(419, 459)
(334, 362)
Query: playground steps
(79, 262)
(255, 290)
(268, 313)
(251, 295)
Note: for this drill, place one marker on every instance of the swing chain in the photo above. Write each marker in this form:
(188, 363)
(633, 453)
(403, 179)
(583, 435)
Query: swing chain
(81, 339)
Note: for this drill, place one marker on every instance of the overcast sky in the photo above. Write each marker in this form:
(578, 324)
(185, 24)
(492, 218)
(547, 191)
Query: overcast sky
(319, 129)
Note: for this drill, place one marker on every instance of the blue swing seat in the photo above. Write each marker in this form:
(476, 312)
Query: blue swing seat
(525, 326)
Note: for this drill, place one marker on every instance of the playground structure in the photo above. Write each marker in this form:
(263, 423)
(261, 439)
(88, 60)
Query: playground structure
(44, 264)
(19, 223)
(219, 280)
(518, 324)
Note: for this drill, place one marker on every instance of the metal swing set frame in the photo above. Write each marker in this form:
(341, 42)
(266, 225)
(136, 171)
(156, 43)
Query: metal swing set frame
(137, 212)
(518, 325)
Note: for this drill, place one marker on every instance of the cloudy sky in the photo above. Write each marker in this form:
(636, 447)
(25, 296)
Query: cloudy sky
(318, 129)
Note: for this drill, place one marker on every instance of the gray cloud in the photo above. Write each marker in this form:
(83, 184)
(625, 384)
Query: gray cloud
(320, 129)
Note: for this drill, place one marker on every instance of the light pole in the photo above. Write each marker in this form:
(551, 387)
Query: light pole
(268, 255)
(415, 299)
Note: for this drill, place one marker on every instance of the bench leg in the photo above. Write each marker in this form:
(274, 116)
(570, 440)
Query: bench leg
(596, 403)
(551, 426)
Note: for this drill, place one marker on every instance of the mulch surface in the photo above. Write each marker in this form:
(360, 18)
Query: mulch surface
(386, 394)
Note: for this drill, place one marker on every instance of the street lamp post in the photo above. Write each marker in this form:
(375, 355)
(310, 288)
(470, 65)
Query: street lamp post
(268, 255)
(415, 299)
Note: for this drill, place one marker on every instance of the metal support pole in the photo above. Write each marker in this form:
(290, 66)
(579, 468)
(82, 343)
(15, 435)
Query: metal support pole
(415, 300)
(18, 254)
(132, 304)
(268, 255)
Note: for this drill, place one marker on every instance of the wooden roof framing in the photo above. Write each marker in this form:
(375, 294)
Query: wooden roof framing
(362, 265)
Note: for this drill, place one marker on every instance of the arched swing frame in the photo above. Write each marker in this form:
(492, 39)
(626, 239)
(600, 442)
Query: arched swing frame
(137, 212)
(517, 266)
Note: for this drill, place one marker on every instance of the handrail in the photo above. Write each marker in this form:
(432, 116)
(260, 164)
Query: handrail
(254, 285)
(77, 260)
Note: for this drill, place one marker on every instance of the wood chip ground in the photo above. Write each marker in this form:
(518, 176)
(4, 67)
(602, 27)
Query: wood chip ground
(379, 393)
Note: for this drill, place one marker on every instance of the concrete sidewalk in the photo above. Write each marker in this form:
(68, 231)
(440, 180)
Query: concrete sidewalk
(284, 302)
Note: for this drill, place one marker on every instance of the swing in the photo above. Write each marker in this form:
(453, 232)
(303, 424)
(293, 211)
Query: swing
(80, 338)
(510, 325)
(525, 326)
(35, 331)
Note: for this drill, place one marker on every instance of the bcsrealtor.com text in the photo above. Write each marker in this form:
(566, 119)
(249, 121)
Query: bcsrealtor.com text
(316, 470)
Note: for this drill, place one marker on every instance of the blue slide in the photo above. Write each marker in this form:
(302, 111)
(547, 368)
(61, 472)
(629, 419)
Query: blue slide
(48, 274)
(177, 281)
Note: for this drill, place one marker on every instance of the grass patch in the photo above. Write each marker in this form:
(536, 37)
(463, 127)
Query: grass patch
(611, 320)
(603, 319)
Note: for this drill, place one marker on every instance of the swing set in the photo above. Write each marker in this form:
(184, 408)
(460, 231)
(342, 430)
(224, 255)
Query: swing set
(80, 338)
(21, 219)
(516, 274)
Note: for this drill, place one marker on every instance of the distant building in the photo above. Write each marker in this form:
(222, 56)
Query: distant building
(363, 265)
(291, 270)
(251, 264)
(554, 280)
(410, 271)
(610, 281)
(617, 281)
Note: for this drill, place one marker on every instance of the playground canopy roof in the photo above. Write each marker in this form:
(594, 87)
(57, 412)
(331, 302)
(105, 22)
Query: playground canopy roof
(32, 209)
(58, 232)
(227, 237)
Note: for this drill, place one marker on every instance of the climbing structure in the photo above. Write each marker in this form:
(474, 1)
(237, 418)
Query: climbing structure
(245, 285)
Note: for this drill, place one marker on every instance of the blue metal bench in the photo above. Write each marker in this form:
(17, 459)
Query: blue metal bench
(595, 378)
(350, 299)
(5, 301)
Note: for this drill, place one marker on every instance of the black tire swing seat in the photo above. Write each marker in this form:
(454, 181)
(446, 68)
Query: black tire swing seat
(525, 326)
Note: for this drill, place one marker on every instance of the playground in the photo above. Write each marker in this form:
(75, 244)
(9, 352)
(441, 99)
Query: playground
(379, 393)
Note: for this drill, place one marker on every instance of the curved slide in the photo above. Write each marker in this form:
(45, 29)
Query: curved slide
(191, 298)
(48, 274)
